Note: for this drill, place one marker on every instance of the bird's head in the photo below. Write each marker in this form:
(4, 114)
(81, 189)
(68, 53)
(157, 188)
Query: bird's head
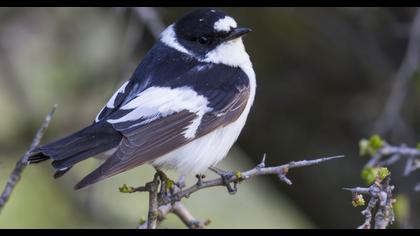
(202, 32)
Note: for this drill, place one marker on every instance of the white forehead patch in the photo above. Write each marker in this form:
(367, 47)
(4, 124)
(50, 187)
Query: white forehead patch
(225, 24)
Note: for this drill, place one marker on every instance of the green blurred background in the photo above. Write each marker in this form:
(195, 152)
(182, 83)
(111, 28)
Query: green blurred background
(323, 76)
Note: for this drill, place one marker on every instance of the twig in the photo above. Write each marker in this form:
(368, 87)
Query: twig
(395, 153)
(189, 220)
(280, 171)
(152, 20)
(182, 212)
(380, 198)
(21, 164)
(405, 72)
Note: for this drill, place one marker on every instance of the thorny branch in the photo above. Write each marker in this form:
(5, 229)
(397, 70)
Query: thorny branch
(380, 193)
(280, 171)
(21, 164)
(171, 194)
(388, 155)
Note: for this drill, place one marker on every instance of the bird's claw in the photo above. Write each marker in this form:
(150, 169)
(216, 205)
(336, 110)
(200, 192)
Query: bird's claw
(181, 182)
(167, 183)
(226, 178)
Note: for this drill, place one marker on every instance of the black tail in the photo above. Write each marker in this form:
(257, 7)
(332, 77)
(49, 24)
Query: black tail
(66, 152)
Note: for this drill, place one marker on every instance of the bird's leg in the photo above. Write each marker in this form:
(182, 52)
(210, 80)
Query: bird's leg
(167, 183)
(181, 182)
(226, 176)
(177, 190)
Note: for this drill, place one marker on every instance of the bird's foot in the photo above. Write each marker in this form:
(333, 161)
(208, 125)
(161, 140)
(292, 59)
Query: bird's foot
(227, 178)
(167, 183)
(181, 182)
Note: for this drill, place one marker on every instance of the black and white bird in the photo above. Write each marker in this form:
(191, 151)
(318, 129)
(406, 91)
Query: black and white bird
(183, 108)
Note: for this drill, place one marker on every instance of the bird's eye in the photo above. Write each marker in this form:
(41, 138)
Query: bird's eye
(203, 40)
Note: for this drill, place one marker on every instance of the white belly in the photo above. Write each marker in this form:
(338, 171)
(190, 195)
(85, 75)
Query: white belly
(198, 155)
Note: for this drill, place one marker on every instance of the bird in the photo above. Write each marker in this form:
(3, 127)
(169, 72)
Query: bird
(182, 108)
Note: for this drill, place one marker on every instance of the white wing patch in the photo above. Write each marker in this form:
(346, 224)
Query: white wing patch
(168, 37)
(111, 102)
(156, 102)
(225, 24)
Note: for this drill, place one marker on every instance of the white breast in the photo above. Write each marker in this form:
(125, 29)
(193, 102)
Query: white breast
(198, 155)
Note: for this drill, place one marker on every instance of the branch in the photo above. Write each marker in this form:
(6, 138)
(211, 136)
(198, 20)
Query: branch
(189, 220)
(260, 169)
(152, 20)
(384, 154)
(21, 164)
(405, 72)
(162, 212)
(380, 199)
(182, 212)
(171, 193)
(152, 217)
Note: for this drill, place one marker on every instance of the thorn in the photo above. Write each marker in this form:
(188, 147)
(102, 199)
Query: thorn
(312, 162)
(283, 178)
(332, 158)
(357, 190)
(262, 163)
(349, 189)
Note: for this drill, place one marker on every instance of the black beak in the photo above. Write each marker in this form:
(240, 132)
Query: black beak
(237, 32)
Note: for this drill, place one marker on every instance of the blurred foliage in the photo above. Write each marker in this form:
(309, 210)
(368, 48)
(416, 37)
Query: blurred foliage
(370, 174)
(370, 146)
(323, 78)
(402, 207)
